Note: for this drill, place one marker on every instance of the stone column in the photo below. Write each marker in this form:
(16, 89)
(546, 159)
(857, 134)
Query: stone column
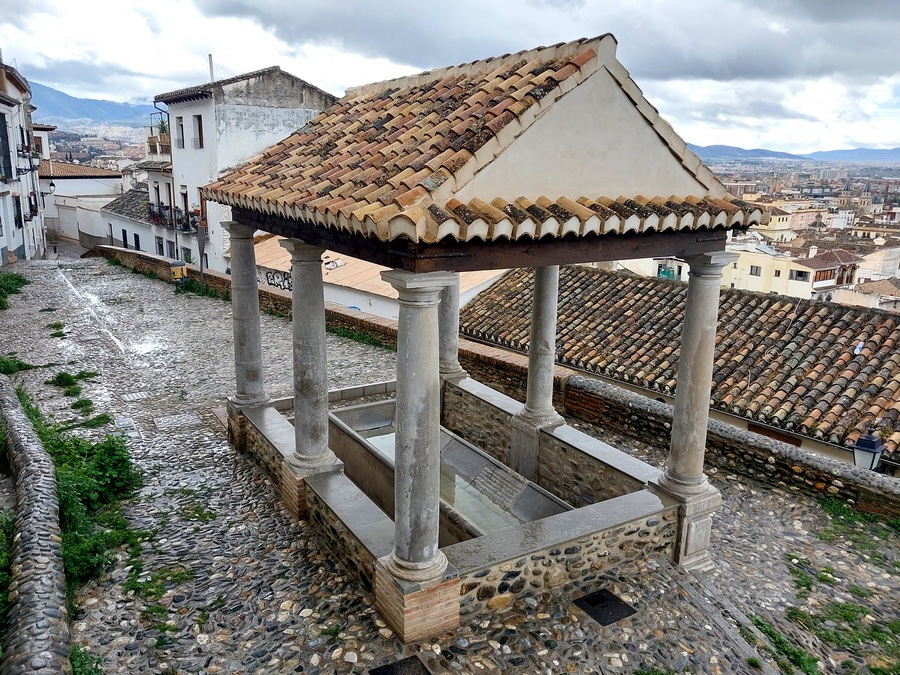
(416, 591)
(248, 371)
(417, 458)
(538, 411)
(311, 452)
(448, 322)
(683, 477)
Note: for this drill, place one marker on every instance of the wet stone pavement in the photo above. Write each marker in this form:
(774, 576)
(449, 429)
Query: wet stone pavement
(246, 589)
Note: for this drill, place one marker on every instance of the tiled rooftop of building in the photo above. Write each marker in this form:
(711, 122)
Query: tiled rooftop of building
(880, 287)
(132, 204)
(387, 160)
(817, 369)
(57, 169)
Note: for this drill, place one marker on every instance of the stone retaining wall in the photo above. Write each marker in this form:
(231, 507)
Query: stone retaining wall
(480, 416)
(616, 409)
(548, 573)
(738, 450)
(38, 637)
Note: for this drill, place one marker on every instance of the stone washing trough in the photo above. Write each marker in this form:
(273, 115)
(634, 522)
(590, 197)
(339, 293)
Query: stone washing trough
(479, 495)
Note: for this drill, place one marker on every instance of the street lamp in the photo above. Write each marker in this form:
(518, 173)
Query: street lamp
(52, 188)
(867, 451)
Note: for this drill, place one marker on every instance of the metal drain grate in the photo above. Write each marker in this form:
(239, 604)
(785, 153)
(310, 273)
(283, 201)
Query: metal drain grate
(411, 665)
(604, 607)
(135, 396)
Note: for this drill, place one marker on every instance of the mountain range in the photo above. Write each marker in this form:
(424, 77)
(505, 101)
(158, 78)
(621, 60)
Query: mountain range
(55, 107)
(857, 155)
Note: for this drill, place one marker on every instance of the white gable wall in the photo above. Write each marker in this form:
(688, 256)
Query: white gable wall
(593, 142)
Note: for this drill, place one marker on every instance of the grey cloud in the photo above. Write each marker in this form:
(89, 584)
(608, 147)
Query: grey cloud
(703, 39)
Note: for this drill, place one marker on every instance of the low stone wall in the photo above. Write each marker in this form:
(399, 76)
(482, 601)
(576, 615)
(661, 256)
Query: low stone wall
(548, 572)
(38, 637)
(343, 539)
(581, 470)
(479, 415)
(738, 450)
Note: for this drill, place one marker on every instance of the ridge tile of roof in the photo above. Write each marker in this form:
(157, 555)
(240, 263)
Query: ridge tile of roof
(817, 369)
(395, 152)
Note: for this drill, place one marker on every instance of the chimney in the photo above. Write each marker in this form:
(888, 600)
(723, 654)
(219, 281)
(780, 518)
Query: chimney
(813, 250)
(212, 77)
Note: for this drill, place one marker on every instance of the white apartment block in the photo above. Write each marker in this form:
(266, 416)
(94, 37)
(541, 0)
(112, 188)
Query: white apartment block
(204, 131)
(21, 199)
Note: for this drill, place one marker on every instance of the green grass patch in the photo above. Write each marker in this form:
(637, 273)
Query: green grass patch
(91, 480)
(10, 284)
(7, 530)
(84, 663)
(83, 405)
(362, 338)
(62, 379)
(10, 365)
(193, 286)
(783, 649)
(843, 625)
(114, 261)
(56, 325)
(47, 309)
(72, 391)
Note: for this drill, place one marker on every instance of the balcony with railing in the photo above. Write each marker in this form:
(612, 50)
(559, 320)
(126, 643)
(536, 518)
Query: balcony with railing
(173, 219)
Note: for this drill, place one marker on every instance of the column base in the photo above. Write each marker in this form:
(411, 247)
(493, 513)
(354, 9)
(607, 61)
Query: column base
(526, 438)
(417, 610)
(697, 504)
(453, 374)
(239, 401)
(292, 484)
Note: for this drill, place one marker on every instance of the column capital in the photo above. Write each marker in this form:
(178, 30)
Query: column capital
(238, 230)
(705, 264)
(422, 288)
(301, 251)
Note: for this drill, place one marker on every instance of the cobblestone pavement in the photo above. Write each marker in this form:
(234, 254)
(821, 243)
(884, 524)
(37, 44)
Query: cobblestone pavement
(248, 590)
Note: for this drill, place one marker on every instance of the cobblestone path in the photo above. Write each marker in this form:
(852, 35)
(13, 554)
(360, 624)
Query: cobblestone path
(248, 590)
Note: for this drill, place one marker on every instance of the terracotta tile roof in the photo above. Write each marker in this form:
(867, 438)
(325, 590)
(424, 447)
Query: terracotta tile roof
(57, 169)
(816, 263)
(387, 160)
(131, 205)
(37, 126)
(880, 287)
(816, 369)
(840, 257)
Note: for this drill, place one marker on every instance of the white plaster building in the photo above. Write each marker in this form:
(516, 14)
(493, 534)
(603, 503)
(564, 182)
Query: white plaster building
(72, 196)
(21, 206)
(206, 130)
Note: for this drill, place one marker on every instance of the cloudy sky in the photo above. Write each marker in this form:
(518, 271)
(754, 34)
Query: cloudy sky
(792, 75)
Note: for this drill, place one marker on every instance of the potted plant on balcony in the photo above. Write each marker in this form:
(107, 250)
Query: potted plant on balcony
(162, 130)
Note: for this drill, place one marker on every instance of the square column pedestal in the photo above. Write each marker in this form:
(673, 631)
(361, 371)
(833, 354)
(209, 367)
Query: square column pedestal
(417, 609)
(694, 525)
